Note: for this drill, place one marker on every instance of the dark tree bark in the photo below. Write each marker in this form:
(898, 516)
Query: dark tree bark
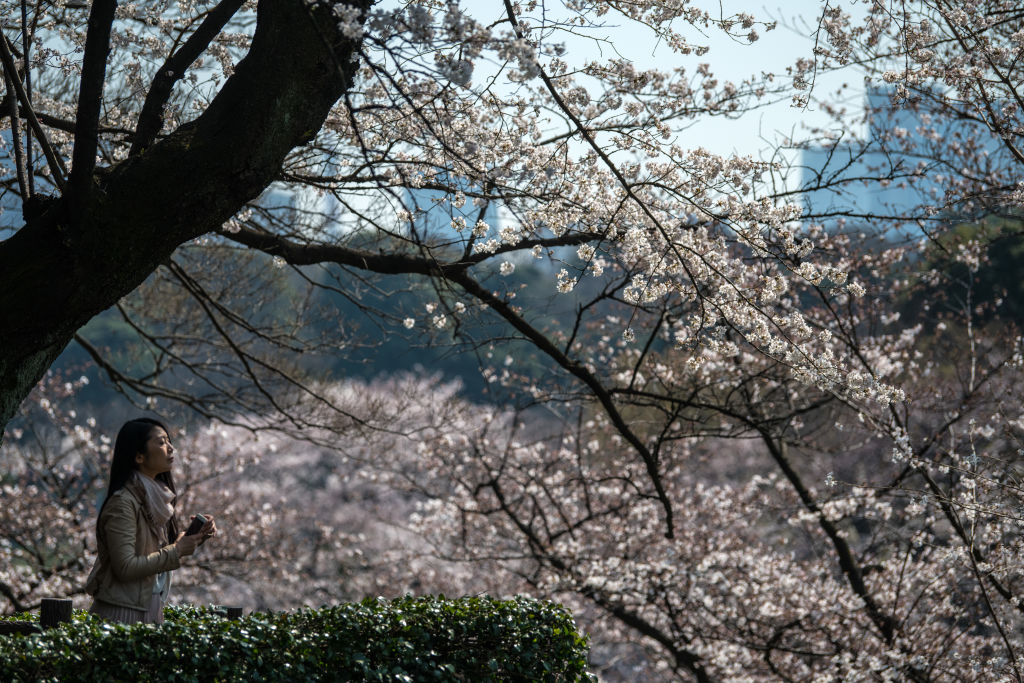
(85, 251)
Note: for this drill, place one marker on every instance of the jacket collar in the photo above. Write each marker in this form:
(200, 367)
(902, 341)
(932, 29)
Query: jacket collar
(135, 489)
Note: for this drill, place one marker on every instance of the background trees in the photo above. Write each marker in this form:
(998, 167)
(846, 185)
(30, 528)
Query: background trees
(741, 441)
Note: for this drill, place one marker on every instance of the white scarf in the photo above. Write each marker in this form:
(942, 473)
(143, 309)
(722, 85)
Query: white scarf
(158, 503)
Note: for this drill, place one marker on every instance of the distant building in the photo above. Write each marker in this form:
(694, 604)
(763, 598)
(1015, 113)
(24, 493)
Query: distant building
(434, 210)
(901, 164)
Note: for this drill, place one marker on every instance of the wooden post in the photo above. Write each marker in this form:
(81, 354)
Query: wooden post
(54, 611)
(227, 612)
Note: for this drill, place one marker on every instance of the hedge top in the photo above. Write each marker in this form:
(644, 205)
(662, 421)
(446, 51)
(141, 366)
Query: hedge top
(407, 639)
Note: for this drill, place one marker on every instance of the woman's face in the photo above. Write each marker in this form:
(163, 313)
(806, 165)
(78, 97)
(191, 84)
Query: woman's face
(157, 457)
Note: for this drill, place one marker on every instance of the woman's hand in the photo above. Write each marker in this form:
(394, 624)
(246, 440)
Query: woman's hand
(187, 545)
(209, 529)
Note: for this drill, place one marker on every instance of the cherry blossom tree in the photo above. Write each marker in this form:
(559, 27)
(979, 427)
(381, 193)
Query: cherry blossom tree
(818, 536)
(135, 192)
(693, 371)
(48, 496)
(600, 168)
(885, 571)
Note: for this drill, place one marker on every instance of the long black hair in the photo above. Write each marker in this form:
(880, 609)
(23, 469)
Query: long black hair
(131, 441)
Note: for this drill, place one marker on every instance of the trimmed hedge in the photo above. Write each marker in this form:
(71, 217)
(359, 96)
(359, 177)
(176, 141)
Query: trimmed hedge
(408, 639)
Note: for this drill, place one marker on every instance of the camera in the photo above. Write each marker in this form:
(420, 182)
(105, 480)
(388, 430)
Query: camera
(197, 524)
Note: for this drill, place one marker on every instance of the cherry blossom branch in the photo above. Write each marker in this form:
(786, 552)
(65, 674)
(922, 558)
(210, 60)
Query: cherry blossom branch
(886, 625)
(120, 381)
(581, 372)
(975, 553)
(982, 94)
(19, 154)
(53, 161)
(689, 660)
(976, 556)
(1011, 655)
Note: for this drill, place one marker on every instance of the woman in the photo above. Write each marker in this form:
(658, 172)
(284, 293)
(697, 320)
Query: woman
(134, 550)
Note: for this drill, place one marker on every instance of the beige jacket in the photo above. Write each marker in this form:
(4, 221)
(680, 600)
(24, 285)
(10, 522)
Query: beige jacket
(128, 553)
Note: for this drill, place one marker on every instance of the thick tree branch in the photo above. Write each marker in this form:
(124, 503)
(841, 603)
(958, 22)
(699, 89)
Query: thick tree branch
(171, 71)
(90, 98)
(384, 263)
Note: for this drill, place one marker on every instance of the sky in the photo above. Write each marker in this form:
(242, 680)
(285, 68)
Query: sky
(735, 61)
